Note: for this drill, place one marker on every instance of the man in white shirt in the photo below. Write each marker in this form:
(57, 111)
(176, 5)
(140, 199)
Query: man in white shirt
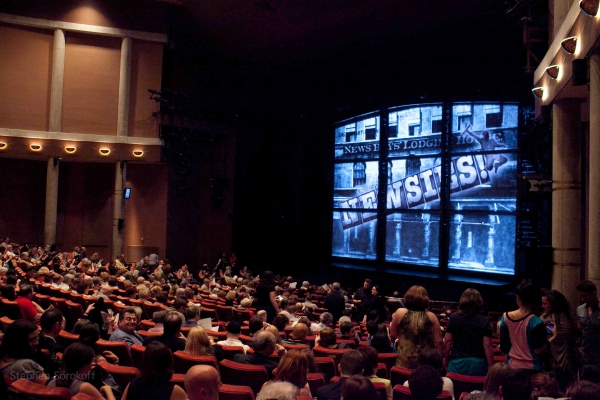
(233, 336)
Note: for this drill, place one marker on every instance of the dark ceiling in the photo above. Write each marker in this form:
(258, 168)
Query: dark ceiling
(358, 54)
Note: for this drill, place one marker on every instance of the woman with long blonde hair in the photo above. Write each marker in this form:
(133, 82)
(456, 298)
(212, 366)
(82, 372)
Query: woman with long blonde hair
(278, 341)
(198, 343)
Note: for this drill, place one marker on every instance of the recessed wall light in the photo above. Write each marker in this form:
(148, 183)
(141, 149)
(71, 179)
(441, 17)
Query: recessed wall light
(538, 92)
(2, 145)
(70, 149)
(105, 152)
(138, 153)
(569, 45)
(553, 71)
(35, 147)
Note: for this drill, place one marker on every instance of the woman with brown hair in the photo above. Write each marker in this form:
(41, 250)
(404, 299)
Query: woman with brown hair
(154, 380)
(494, 378)
(469, 338)
(278, 341)
(414, 328)
(293, 368)
(327, 338)
(198, 343)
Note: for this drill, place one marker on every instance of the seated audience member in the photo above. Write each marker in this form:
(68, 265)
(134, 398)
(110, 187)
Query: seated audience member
(233, 336)
(171, 337)
(359, 387)
(372, 328)
(158, 317)
(192, 316)
(544, 386)
(198, 343)
(51, 322)
(126, 331)
(494, 379)
(590, 373)
(349, 332)
(584, 390)
(263, 344)
(17, 352)
(298, 335)
(425, 383)
(255, 324)
(328, 339)
(433, 358)
(479, 396)
(516, 385)
(278, 340)
(8, 292)
(280, 321)
(28, 308)
(351, 363)
(77, 364)
(325, 321)
(202, 382)
(382, 343)
(154, 381)
(277, 391)
(370, 368)
(293, 368)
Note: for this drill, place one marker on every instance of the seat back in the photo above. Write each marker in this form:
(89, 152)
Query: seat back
(380, 388)
(235, 392)
(225, 313)
(401, 392)
(289, 346)
(241, 315)
(230, 351)
(315, 381)
(185, 361)
(123, 375)
(11, 309)
(120, 349)
(42, 299)
(137, 355)
(211, 313)
(327, 366)
(389, 359)
(465, 383)
(382, 371)
(399, 375)
(75, 311)
(66, 338)
(37, 391)
(336, 354)
(234, 373)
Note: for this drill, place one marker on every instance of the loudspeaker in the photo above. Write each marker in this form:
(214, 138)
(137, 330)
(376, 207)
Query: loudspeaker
(546, 114)
(579, 72)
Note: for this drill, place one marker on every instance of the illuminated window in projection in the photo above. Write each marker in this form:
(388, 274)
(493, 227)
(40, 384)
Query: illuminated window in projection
(471, 184)
(413, 238)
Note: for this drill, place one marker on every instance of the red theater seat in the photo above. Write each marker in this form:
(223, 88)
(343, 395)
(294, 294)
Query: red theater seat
(236, 392)
(185, 361)
(465, 383)
(33, 390)
(234, 373)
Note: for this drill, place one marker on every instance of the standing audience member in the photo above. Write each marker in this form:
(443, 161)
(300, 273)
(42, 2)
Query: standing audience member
(414, 328)
(425, 383)
(154, 381)
(335, 303)
(469, 338)
(266, 297)
(559, 320)
(588, 322)
(202, 383)
(362, 296)
(522, 333)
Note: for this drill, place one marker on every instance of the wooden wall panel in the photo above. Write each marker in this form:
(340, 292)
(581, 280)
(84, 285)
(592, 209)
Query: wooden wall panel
(25, 63)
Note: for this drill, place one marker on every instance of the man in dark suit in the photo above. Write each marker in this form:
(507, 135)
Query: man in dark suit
(351, 363)
(263, 343)
(171, 336)
(335, 302)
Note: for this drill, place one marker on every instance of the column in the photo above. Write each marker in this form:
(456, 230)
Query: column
(118, 211)
(566, 198)
(56, 84)
(594, 174)
(51, 201)
(124, 88)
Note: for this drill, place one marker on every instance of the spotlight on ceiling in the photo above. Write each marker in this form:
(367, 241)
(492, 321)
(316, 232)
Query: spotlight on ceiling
(2, 145)
(538, 92)
(70, 149)
(589, 7)
(569, 45)
(138, 153)
(105, 151)
(553, 71)
(35, 147)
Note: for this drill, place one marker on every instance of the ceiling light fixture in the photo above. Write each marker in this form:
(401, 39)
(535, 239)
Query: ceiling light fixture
(105, 152)
(553, 71)
(138, 153)
(70, 149)
(35, 147)
(589, 7)
(538, 92)
(2, 145)
(569, 45)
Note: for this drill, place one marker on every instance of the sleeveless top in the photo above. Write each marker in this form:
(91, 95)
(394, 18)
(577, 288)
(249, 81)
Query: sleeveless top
(74, 388)
(142, 390)
(415, 332)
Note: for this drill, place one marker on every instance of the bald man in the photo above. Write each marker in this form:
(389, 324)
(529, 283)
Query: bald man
(202, 383)
(298, 335)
